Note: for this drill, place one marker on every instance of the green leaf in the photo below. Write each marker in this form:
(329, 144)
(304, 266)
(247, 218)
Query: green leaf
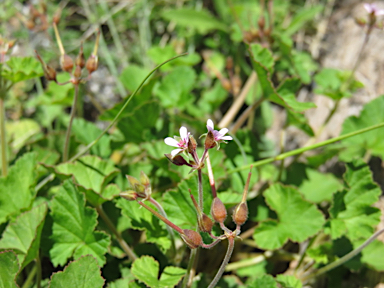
(132, 76)
(178, 204)
(86, 132)
(23, 235)
(142, 219)
(300, 121)
(22, 131)
(73, 227)
(319, 186)
(297, 219)
(266, 281)
(304, 66)
(20, 179)
(108, 193)
(287, 91)
(372, 141)
(175, 87)
(373, 255)
(201, 20)
(301, 18)
(352, 213)
(82, 273)
(22, 68)
(146, 269)
(9, 268)
(288, 281)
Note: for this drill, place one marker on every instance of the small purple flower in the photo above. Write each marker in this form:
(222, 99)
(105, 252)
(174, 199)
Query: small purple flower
(180, 142)
(219, 135)
(372, 9)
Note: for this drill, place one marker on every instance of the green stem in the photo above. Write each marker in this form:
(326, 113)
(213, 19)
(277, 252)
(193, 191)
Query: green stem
(187, 281)
(343, 259)
(4, 162)
(31, 275)
(113, 229)
(307, 148)
(231, 245)
(38, 271)
(200, 189)
(68, 134)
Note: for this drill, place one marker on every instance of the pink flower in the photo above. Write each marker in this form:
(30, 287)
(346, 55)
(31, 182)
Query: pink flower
(180, 142)
(219, 135)
(372, 9)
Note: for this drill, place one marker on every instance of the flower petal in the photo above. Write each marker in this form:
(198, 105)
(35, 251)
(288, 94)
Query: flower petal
(379, 12)
(225, 138)
(223, 131)
(210, 125)
(175, 152)
(368, 7)
(183, 133)
(171, 142)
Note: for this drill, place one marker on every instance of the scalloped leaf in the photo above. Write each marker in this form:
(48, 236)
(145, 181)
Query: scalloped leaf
(21, 178)
(297, 218)
(22, 68)
(23, 234)
(146, 270)
(9, 268)
(82, 273)
(73, 230)
(351, 213)
(265, 281)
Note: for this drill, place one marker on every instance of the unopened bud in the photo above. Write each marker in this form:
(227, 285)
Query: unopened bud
(240, 214)
(205, 223)
(92, 63)
(210, 140)
(66, 63)
(137, 186)
(177, 160)
(192, 238)
(80, 59)
(129, 195)
(192, 144)
(144, 180)
(77, 72)
(218, 211)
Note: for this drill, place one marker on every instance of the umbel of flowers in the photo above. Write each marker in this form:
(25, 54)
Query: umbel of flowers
(186, 154)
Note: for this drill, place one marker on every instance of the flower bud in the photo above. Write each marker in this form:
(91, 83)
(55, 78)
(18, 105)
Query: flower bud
(205, 223)
(210, 140)
(240, 214)
(144, 180)
(92, 63)
(192, 238)
(66, 63)
(137, 186)
(218, 211)
(192, 144)
(129, 195)
(80, 60)
(77, 72)
(50, 73)
(177, 160)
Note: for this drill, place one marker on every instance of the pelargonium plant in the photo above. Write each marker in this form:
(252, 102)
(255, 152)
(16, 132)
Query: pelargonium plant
(186, 144)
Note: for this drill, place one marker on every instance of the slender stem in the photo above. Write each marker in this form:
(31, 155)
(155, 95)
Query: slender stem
(113, 229)
(211, 178)
(68, 134)
(307, 148)
(214, 243)
(240, 121)
(231, 245)
(343, 259)
(38, 271)
(31, 275)
(187, 281)
(200, 189)
(4, 162)
(170, 231)
(161, 217)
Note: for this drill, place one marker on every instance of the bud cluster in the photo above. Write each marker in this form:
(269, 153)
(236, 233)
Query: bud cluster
(74, 68)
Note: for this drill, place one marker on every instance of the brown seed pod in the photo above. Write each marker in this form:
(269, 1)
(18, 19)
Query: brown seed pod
(177, 160)
(205, 223)
(240, 214)
(192, 238)
(66, 63)
(50, 73)
(209, 140)
(218, 211)
(191, 144)
(77, 72)
(92, 64)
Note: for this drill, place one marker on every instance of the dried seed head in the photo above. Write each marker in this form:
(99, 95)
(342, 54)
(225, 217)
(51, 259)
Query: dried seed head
(66, 63)
(177, 160)
(240, 214)
(210, 140)
(129, 195)
(205, 223)
(218, 211)
(92, 63)
(192, 238)
(192, 144)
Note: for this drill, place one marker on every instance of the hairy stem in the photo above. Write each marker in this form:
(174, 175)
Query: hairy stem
(231, 245)
(343, 259)
(113, 229)
(68, 134)
(211, 178)
(4, 161)
(307, 148)
(200, 189)
(170, 231)
(191, 268)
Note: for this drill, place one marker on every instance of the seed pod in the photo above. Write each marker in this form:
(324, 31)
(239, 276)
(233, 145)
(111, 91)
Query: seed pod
(177, 160)
(192, 238)
(66, 63)
(191, 144)
(129, 195)
(210, 140)
(205, 223)
(50, 73)
(240, 214)
(218, 211)
(77, 72)
(92, 63)
(80, 60)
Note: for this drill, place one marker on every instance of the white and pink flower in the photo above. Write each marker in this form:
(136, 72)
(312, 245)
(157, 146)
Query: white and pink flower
(180, 142)
(219, 135)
